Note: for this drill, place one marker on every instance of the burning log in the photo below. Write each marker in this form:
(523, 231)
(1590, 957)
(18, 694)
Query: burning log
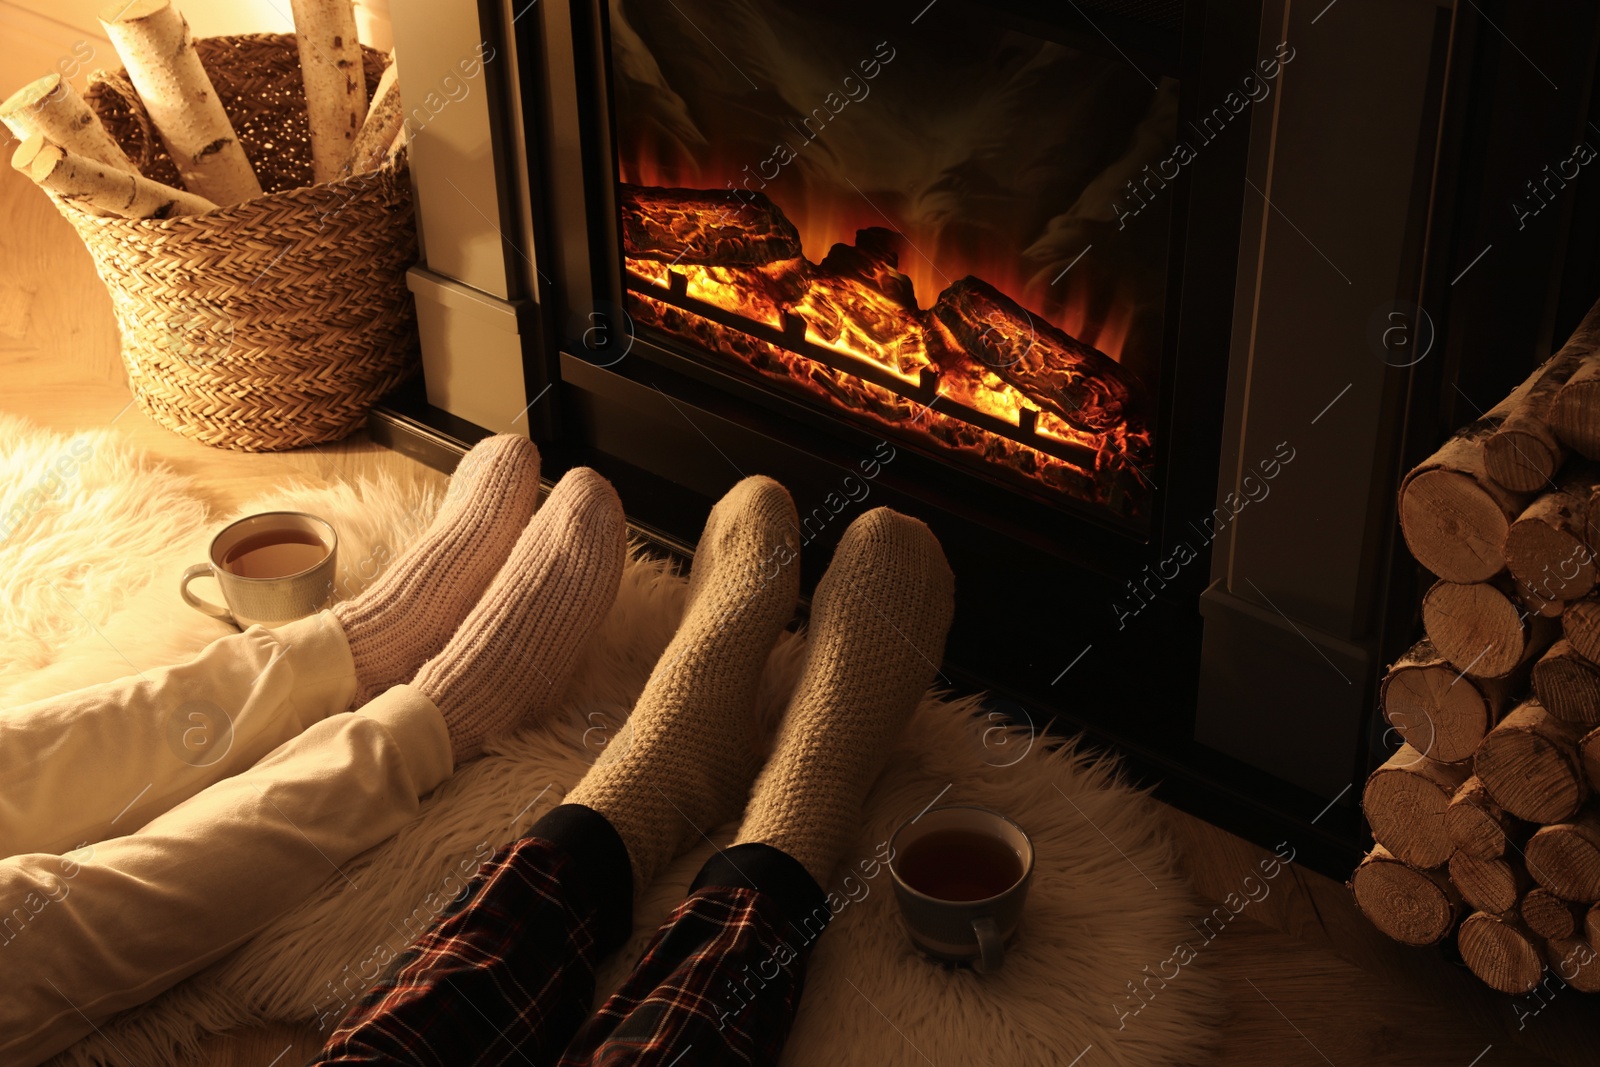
(1082, 385)
(1021, 393)
(700, 227)
(859, 301)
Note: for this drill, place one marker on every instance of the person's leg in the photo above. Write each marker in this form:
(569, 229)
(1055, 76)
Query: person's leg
(105, 760)
(722, 979)
(109, 926)
(505, 974)
(513, 967)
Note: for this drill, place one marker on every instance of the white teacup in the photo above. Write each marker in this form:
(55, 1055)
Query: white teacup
(273, 567)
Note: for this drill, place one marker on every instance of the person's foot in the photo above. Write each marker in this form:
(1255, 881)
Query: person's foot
(878, 624)
(513, 654)
(406, 616)
(684, 760)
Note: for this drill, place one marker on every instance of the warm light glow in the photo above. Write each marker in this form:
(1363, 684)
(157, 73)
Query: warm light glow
(901, 416)
(826, 220)
(994, 360)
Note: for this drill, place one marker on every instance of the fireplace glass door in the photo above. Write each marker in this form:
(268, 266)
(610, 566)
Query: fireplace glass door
(943, 224)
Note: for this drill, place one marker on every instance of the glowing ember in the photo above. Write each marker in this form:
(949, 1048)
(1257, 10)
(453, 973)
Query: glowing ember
(1027, 377)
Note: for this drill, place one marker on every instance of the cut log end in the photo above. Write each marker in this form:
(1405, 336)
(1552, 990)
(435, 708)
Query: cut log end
(1437, 710)
(1576, 962)
(1477, 825)
(1565, 858)
(1491, 886)
(1553, 564)
(1413, 907)
(1481, 628)
(1529, 764)
(1580, 625)
(1500, 951)
(1452, 526)
(1548, 915)
(155, 45)
(28, 153)
(28, 98)
(1575, 415)
(1568, 685)
(1522, 461)
(1405, 801)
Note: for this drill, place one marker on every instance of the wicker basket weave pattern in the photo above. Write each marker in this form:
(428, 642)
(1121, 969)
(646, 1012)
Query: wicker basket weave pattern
(273, 323)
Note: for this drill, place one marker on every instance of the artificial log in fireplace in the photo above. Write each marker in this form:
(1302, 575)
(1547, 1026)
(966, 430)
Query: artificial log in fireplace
(975, 375)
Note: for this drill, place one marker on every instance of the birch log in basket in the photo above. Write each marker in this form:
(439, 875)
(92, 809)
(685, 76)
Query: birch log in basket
(274, 322)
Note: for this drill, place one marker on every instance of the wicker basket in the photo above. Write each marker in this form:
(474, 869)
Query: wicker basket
(273, 323)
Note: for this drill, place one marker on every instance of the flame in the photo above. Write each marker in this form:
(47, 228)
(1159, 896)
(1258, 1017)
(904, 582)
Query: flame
(824, 218)
(877, 321)
(894, 343)
(1110, 480)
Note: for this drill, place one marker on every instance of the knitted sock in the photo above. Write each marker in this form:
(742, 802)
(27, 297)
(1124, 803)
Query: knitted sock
(683, 762)
(515, 651)
(408, 614)
(878, 624)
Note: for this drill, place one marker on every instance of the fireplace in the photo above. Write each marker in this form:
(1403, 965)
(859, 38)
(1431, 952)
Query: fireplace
(889, 231)
(1109, 293)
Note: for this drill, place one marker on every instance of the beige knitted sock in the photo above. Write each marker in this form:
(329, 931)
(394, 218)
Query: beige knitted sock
(878, 624)
(683, 762)
(408, 614)
(513, 654)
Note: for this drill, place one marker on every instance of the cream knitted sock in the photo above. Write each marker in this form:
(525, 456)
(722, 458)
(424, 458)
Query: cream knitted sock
(878, 624)
(683, 762)
(408, 614)
(514, 652)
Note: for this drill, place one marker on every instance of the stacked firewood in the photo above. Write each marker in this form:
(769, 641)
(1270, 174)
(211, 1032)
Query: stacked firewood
(1487, 819)
(66, 150)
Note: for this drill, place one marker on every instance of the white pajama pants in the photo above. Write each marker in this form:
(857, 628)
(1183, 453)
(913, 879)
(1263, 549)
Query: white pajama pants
(152, 824)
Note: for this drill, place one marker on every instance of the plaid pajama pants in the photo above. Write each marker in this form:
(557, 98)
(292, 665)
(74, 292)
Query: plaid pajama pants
(506, 974)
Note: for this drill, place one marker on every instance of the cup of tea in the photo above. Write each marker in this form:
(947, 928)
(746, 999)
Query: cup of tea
(961, 876)
(273, 568)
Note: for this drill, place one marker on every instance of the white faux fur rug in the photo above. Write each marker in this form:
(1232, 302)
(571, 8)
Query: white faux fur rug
(1106, 899)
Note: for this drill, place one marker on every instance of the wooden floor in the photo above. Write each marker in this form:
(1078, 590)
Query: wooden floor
(1309, 981)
